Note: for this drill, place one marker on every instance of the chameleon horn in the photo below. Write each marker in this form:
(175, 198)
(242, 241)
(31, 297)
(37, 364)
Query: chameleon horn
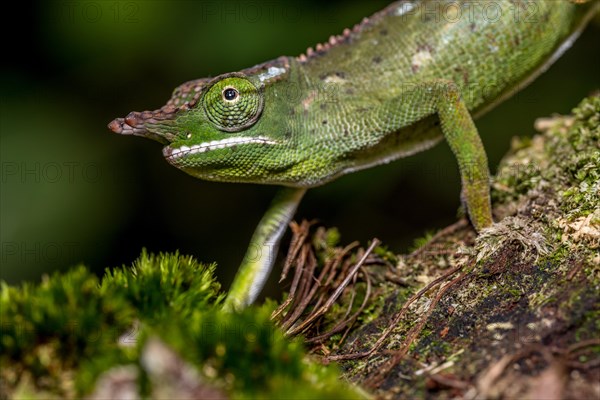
(142, 124)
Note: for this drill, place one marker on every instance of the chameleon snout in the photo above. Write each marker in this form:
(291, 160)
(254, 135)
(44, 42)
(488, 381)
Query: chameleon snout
(132, 124)
(145, 124)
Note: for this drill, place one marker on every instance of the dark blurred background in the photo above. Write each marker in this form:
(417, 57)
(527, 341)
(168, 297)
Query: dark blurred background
(74, 192)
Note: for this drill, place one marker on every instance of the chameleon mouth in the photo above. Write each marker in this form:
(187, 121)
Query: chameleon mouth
(173, 154)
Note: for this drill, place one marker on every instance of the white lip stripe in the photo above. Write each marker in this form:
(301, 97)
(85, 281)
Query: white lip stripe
(214, 145)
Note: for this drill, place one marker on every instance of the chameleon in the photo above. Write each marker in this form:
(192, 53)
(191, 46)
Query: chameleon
(395, 84)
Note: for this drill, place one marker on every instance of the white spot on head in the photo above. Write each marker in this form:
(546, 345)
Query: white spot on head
(272, 72)
(334, 78)
(420, 59)
(404, 8)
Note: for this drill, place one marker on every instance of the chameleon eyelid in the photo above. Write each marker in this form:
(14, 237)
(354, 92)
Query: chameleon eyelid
(238, 113)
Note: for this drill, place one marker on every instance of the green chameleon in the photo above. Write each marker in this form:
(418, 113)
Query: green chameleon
(395, 84)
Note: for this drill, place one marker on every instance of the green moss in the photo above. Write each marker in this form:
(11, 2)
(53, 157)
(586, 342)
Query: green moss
(581, 160)
(372, 310)
(386, 254)
(250, 348)
(421, 241)
(162, 285)
(48, 328)
(62, 335)
(572, 145)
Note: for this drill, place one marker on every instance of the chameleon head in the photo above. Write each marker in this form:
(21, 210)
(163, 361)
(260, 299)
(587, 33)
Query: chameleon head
(222, 129)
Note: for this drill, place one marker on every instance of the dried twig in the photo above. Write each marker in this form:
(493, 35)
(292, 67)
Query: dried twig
(300, 233)
(338, 291)
(345, 323)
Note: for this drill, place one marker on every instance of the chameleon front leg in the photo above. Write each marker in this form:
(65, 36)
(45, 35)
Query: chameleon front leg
(443, 98)
(261, 253)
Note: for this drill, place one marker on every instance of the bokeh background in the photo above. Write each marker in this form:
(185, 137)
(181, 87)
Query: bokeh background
(73, 192)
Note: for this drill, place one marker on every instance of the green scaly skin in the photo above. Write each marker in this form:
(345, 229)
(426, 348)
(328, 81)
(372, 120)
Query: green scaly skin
(395, 84)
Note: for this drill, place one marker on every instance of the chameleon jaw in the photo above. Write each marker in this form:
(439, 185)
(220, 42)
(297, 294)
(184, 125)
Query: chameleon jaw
(173, 154)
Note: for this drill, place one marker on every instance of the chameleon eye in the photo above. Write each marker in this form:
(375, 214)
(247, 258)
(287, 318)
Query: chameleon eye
(232, 103)
(230, 94)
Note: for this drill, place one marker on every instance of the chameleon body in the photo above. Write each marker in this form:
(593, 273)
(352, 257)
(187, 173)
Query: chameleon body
(395, 84)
